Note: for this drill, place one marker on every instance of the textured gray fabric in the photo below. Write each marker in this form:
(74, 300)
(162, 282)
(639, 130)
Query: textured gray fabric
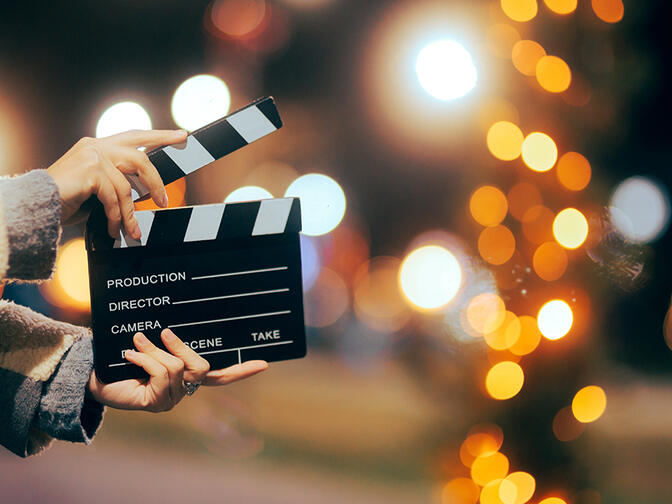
(18, 401)
(31, 209)
(63, 411)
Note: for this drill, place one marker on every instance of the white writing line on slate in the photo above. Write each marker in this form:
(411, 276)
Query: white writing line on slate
(234, 273)
(225, 350)
(256, 315)
(242, 294)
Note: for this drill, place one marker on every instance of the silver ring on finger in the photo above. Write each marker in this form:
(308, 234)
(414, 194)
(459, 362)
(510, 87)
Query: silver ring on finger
(190, 387)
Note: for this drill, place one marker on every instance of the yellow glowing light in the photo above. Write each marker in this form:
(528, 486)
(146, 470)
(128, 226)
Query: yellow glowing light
(500, 39)
(248, 193)
(322, 202)
(553, 74)
(553, 500)
(589, 403)
(429, 277)
(529, 337)
(478, 444)
(525, 56)
(200, 100)
(561, 6)
(521, 198)
(72, 273)
(539, 151)
(486, 312)
(498, 491)
(520, 10)
(489, 467)
(496, 244)
(445, 70)
(570, 228)
(460, 491)
(488, 206)
(525, 486)
(505, 140)
(573, 171)
(506, 335)
(549, 261)
(609, 11)
(121, 117)
(555, 319)
(504, 380)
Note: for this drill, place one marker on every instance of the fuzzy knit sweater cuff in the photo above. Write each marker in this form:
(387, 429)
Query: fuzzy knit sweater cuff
(30, 215)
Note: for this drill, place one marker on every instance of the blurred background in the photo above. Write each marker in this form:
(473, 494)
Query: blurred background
(484, 189)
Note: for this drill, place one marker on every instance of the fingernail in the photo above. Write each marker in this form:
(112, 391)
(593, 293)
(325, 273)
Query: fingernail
(164, 199)
(129, 352)
(180, 133)
(141, 339)
(169, 335)
(137, 234)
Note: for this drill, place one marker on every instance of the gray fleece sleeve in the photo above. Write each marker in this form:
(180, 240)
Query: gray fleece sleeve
(31, 210)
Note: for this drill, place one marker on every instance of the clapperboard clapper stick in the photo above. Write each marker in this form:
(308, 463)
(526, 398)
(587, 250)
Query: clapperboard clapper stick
(226, 278)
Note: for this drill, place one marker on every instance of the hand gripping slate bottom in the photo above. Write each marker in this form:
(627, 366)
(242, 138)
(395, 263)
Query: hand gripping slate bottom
(226, 278)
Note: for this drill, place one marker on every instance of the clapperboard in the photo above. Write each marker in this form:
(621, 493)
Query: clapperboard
(226, 278)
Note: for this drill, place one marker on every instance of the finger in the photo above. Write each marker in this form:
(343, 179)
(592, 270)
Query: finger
(196, 367)
(149, 138)
(234, 373)
(157, 391)
(136, 162)
(108, 197)
(126, 208)
(174, 365)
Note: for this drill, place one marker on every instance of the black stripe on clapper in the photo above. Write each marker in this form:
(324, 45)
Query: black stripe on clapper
(293, 224)
(238, 219)
(267, 108)
(220, 139)
(169, 227)
(167, 168)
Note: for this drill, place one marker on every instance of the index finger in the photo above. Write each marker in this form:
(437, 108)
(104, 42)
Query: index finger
(234, 373)
(149, 138)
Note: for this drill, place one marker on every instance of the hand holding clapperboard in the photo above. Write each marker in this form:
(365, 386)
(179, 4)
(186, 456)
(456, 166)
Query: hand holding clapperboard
(226, 278)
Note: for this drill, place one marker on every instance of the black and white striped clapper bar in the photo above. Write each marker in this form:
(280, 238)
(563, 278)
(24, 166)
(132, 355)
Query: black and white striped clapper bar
(226, 278)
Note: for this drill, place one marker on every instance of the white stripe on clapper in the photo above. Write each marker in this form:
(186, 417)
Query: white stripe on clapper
(272, 216)
(251, 124)
(204, 222)
(189, 155)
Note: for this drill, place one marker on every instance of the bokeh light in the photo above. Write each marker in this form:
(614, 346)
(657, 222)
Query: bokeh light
(565, 426)
(482, 440)
(429, 277)
(520, 10)
(538, 224)
(589, 404)
(505, 140)
(506, 335)
(640, 209)
(310, 261)
(121, 117)
(488, 205)
(570, 228)
(529, 338)
(609, 11)
(247, 193)
(503, 381)
(377, 300)
(460, 491)
(553, 74)
(238, 18)
(200, 100)
(496, 244)
(445, 70)
(489, 467)
(322, 202)
(500, 39)
(525, 56)
(69, 287)
(539, 151)
(498, 491)
(561, 6)
(486, 312)
(549, 261)
(553, 500)
(327, 301)
(573, 171)
(555, 319)
(525, 486)
(521, 198)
